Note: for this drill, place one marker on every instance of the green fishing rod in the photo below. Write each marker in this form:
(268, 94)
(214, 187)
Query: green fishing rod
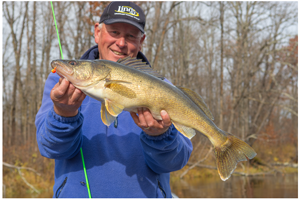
(81, 152)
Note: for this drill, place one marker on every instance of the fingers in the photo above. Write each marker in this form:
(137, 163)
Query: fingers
(60, 80)
(74, 93)
(165, 118)
(65, 89)
(66, 98)
(150, 125)
(60, 88)
(145, 118)
(82, 97)
(135, 118)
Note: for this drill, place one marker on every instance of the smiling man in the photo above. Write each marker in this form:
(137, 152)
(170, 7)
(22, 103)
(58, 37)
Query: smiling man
(118, 40)
(132, 157)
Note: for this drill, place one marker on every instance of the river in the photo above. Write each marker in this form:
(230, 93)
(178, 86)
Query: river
(269, 186)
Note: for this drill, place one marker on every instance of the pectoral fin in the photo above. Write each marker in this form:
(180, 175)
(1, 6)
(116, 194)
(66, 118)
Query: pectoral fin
(116, 86)
(113, 108)
(106, 117)
(186, 131)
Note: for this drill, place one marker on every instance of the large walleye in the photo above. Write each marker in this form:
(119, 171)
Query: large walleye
(130, 84)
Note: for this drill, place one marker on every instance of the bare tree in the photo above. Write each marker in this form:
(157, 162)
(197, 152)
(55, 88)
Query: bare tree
(17, 47)
(222, 10)
(241, 57)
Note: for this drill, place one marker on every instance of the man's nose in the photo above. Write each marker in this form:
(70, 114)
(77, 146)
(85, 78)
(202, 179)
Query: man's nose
(121, 42)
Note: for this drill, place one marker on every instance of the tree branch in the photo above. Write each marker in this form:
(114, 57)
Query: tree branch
(16, 167)
(21, 174)
(196, 164)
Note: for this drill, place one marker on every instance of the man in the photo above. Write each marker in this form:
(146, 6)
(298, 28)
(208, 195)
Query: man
(132, 157)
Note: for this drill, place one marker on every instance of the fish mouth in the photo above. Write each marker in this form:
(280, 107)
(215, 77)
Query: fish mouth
(61, 69)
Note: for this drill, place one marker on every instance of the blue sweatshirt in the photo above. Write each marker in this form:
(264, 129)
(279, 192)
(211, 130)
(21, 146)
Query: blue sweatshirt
(121, 160)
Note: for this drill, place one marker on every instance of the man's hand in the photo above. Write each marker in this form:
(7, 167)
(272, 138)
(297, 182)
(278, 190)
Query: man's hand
(150, 125)
(66, 98)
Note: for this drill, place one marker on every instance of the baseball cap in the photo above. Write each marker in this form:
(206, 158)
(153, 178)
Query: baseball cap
(124, 12)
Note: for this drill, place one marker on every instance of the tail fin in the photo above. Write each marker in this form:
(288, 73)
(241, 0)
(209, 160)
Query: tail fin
(230, 153)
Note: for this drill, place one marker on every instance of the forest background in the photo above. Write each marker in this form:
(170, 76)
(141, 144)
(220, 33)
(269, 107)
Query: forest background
(241, 57)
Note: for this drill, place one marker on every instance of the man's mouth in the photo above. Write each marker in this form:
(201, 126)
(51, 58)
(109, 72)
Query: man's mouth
(118, 53)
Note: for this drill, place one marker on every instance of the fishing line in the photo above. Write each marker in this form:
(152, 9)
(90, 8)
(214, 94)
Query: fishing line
(85, 174)
(61, 53)
(83, 164)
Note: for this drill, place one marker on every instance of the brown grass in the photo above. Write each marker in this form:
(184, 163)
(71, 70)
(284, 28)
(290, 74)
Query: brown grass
(27, 156)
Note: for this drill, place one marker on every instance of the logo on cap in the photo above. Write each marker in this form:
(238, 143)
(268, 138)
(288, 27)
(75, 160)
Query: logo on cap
(127, 10)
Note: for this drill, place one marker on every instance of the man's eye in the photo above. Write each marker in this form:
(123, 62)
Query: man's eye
(114, 32)
(132, 37)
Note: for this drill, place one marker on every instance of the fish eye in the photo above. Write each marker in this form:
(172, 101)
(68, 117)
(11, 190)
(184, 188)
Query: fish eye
(72, 62)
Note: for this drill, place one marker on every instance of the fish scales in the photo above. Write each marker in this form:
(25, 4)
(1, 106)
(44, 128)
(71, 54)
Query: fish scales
(130, 84)
(152, 94)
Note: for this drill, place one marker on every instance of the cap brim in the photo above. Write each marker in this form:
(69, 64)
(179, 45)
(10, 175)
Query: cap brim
(111, 21)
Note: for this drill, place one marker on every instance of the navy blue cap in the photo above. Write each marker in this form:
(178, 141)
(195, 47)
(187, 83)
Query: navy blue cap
(124, 12)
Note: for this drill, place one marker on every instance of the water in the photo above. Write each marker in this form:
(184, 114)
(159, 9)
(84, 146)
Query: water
(270, 186)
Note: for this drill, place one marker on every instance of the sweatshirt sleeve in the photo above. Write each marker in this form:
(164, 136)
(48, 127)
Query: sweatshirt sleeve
(57, 137)
(167, 152)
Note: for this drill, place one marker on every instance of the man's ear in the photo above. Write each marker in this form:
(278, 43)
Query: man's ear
(97, 33)
(141, 41)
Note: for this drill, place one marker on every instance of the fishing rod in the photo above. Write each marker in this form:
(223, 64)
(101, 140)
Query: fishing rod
(53, 71)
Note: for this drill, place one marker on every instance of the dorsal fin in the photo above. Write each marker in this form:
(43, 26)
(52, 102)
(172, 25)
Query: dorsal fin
(140, 65)
(198, 100)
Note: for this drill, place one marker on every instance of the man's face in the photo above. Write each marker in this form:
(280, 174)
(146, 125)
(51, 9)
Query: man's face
(118, 40)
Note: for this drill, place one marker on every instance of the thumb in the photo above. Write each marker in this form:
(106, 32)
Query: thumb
(165, 118)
